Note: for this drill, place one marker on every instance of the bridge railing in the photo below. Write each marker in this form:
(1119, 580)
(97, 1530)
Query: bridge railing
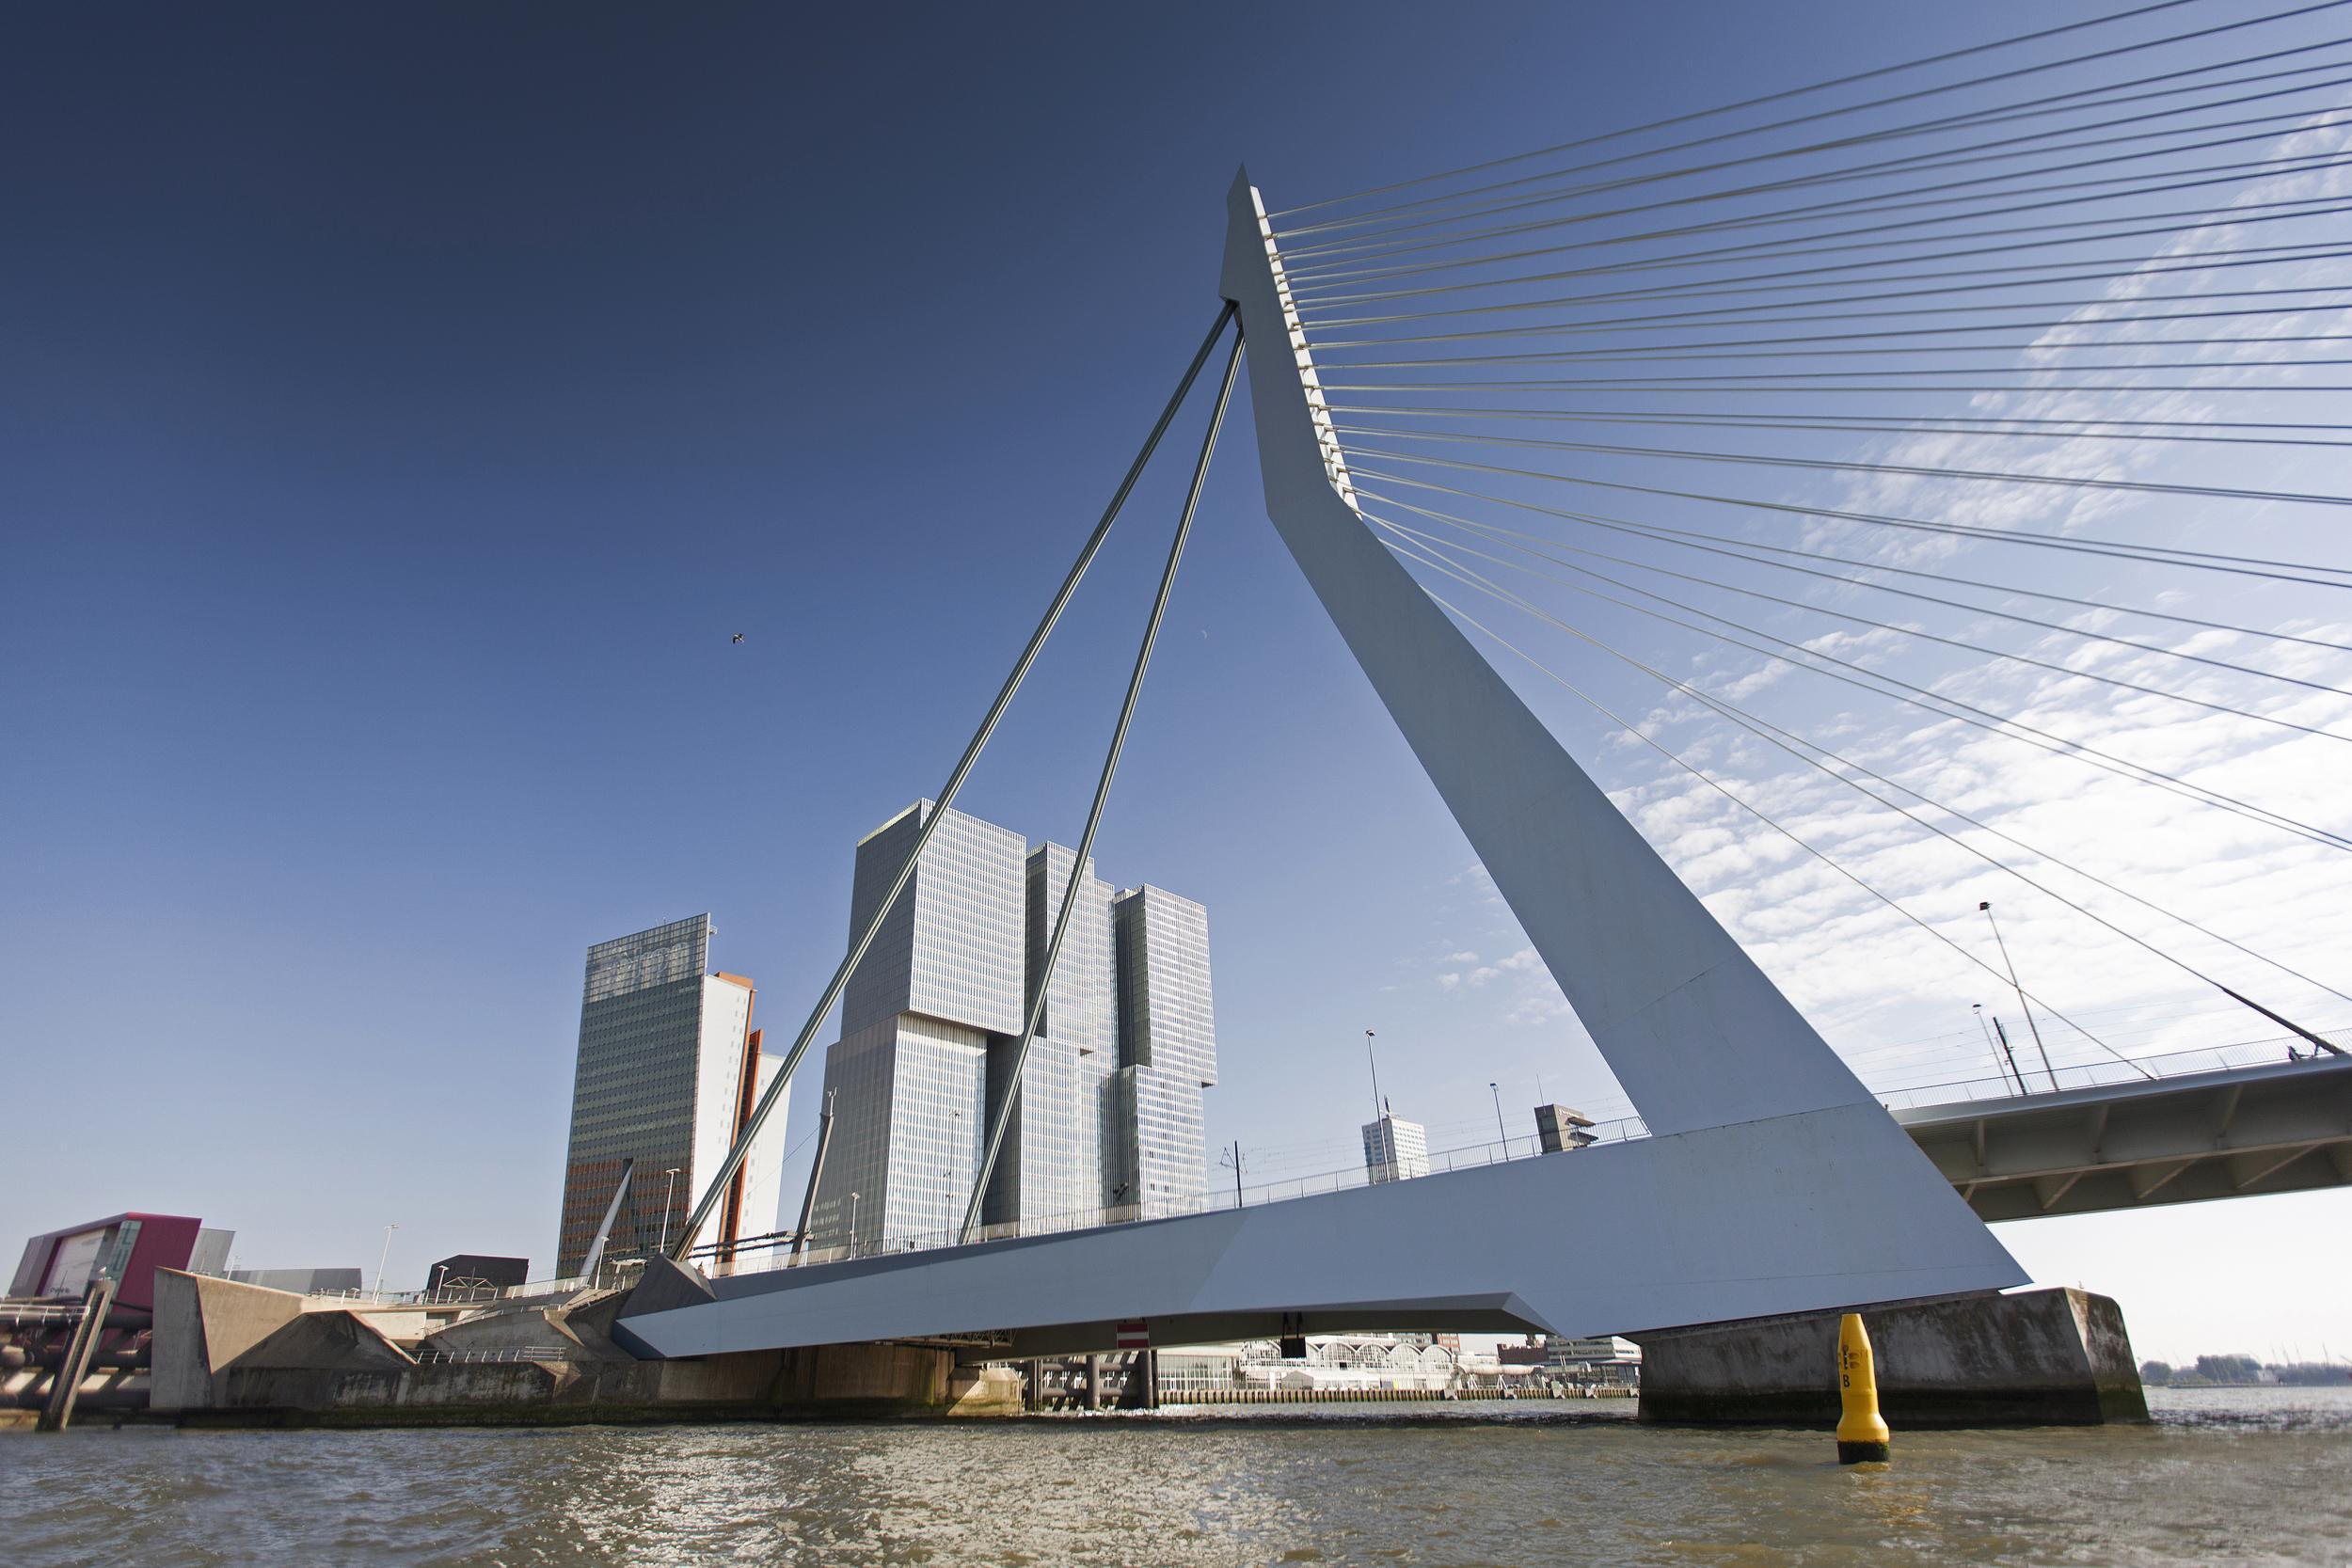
(1211, 1201)
(753, 1259)
(2099, 1074)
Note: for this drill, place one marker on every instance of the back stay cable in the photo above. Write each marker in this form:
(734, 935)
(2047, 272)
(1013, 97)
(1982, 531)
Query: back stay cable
(734, 1160)
(1043, 981)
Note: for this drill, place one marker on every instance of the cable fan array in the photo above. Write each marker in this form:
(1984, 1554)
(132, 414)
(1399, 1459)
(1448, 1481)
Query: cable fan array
(1984, 413)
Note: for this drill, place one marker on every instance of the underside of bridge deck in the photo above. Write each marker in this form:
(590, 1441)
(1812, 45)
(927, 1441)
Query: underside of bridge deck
(2240, 1134)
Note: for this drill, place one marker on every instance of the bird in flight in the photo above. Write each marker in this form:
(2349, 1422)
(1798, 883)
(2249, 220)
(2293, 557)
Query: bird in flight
(738, 637)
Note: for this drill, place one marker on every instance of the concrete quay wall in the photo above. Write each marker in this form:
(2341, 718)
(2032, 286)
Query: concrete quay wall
(2056, 1357)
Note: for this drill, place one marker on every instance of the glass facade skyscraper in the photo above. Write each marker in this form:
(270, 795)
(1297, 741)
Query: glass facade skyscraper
(1109, 1109)
(664, 1045)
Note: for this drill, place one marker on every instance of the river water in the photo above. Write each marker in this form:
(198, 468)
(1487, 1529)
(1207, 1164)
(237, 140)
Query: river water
(2223, 1477)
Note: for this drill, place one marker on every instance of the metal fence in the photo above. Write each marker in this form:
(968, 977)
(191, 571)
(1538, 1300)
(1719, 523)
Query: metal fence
(431, 1355)
(1213, 1201)
(2099, 1074)
(2074, 1076)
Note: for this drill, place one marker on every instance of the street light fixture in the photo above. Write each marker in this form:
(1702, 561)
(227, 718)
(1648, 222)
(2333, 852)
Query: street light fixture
(1986, 906)
(668, 1187)
(1378, 1110)
(384, 1256)
(1500, 1130)
(853, 1225)
(1977, 1008)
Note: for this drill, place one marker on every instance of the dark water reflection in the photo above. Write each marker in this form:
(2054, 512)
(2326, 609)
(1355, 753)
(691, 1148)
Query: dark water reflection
(2228, 1477)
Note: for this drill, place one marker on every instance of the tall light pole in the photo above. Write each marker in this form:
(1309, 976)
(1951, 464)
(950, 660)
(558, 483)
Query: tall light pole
(384, 1256)
(1500, 1131)
(2036, 1029)
(1978, 1008)
(853, 1225)
(1378, 1109)
(667, 1188)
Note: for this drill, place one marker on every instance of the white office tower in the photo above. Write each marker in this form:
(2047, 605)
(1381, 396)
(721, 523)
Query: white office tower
(1051, 1171)
(1167, 1051)
(909, 1075)
(667, 1073)
(1110, 1098)
(1395, 1150)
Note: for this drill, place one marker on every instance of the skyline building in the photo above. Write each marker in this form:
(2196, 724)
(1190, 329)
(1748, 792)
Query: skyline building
(1395, 1150)
(667, 1071)
(1110, 1114)
(1166, 1049)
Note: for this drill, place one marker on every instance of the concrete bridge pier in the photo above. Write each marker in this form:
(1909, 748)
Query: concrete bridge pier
(2056, 1357)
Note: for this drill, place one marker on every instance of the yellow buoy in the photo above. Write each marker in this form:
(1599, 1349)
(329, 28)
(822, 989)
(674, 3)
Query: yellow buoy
(1862, 1434)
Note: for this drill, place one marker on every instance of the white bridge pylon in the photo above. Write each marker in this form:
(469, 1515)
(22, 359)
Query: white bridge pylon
(1697, 1036)
(1773, 1182)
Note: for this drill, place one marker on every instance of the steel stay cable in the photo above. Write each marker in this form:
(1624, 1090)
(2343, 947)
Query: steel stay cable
(1682, 320)
(1630, 385)
(1899, 423)
(1835, 425)
(1079, 860)
(1910, 96)
(1941, 706)
(1762, 816)
(1871, 235)
(1520, 539)
(2060, 670)
(2077, 101)
(735, 1155)
(1983, 719)
(2125, 266)
(1695, 355)
(1777, 347)
(1665, 534)
(2169, 555)
(2199, 219)
(1783, 740)
(2137, 486)
(1333, 262)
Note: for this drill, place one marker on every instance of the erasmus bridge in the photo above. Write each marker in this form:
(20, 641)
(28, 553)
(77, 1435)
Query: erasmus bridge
(2005, 300)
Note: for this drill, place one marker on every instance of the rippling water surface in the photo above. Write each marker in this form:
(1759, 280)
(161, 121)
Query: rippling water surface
(2255, 1476)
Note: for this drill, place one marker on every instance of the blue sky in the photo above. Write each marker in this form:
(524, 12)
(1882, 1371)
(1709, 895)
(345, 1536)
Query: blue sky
(401, 411)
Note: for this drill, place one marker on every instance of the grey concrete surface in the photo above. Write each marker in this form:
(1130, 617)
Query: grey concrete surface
(2055, 1357)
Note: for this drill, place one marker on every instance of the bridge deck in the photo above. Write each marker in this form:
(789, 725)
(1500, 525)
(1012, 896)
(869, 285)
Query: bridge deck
(2239, 1131)
(1471, 1248)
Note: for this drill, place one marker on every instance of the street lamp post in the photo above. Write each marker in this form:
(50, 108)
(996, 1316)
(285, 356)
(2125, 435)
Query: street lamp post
(2044, 1050)
(1500, 1130)
(668, 1187)
(1376, 1109)
(1977, 1008)
(384, 1256)
(853, 1225)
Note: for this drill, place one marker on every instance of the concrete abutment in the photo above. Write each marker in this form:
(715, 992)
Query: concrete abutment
(2053, 1357)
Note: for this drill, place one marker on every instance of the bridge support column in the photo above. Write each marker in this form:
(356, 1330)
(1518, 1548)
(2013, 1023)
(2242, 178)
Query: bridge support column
(2058, 1357)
